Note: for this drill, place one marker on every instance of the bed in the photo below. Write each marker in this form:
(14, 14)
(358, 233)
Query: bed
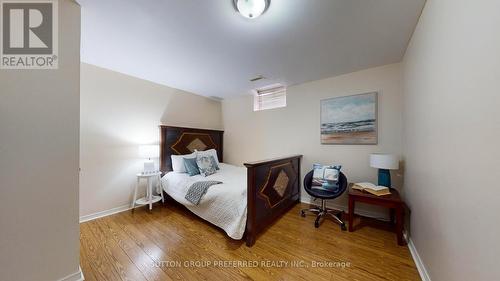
(250, 198)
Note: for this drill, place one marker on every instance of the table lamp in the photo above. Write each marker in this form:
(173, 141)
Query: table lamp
(148, 152)
(384, 162)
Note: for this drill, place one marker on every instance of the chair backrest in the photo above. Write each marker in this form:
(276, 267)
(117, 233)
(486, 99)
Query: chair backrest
(323, 193)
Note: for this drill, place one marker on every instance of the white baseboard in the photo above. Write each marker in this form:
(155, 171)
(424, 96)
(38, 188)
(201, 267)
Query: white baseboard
(77, 276)
(418, 261)
(105, 213)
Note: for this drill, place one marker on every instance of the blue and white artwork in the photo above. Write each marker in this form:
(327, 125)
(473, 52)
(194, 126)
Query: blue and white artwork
(349, 120)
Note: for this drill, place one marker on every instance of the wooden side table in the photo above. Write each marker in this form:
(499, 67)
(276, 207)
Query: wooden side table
(393, 202)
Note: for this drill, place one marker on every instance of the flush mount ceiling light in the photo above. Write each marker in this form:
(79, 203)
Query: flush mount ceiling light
(251, 8)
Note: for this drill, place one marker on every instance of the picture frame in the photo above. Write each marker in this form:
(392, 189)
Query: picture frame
(350, 120)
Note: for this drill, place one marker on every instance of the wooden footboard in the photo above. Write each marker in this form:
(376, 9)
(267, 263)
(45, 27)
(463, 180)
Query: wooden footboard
(273, 188)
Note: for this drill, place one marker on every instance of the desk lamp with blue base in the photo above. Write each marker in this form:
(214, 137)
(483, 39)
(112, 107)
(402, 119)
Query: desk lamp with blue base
(385, 163)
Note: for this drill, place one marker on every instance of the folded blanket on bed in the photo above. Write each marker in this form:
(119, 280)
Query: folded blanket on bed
(198, 189)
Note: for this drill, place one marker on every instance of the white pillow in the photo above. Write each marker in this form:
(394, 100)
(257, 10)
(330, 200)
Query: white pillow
(210, 152)
(178, 162)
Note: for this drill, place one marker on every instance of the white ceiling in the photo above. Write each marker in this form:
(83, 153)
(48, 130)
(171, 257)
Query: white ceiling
(206, 47)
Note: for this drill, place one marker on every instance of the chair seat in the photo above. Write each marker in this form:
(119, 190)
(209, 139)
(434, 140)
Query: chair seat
(323, 194)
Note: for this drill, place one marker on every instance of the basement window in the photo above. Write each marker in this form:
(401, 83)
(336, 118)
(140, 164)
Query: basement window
(269, 97)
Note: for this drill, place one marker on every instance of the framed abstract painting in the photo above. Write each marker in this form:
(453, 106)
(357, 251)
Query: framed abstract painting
(350, 119)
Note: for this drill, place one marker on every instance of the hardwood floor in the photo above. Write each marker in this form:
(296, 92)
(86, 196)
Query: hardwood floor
(172, 244)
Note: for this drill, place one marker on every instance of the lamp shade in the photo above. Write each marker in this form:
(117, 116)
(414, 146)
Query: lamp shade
(149, 151)
(384, 161)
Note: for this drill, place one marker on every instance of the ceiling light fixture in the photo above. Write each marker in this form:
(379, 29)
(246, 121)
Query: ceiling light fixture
(251, 8)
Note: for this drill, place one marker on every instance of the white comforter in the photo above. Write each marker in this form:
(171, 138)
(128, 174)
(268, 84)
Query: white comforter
(224, 205)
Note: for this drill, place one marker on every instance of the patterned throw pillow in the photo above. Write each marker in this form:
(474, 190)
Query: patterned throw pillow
(210, 152)
(206, 164)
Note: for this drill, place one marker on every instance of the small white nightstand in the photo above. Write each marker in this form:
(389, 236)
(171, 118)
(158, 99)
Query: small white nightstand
(149, 198)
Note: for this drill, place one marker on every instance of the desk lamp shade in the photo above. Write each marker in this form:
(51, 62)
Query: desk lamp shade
(384, 162)
(148, 152)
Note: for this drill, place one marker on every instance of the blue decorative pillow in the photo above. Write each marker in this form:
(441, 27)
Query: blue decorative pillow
(206, 164)
(191, 166)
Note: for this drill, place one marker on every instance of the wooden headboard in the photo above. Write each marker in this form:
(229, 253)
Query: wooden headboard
(181, 140)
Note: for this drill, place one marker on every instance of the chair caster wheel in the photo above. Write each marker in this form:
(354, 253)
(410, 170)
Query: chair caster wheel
(316, 224)
(340, 215)
(343, 227)
(303, 214)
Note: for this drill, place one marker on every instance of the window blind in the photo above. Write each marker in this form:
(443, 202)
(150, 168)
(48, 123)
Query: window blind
(269, 98)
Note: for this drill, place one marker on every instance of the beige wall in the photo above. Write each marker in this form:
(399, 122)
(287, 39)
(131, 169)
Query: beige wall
(39, 136)
(451, 138)
(295, 129)
(118, 113)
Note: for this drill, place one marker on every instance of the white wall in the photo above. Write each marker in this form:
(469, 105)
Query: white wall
(39, 140)
(295, 129)
(451, 138)
(118, 113)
